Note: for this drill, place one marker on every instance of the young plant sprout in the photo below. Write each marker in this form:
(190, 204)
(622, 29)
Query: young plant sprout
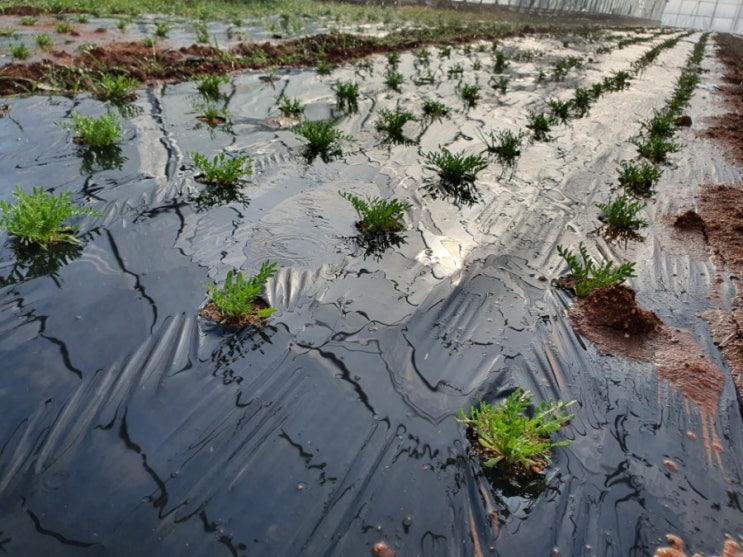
(515, 436)
(208, 86)
(291, 108)
(540, 125)
(434, 110)
(560, 110)
(221, 171)
(99, 132)
(470, 95)
(38, 218)
(115, 88)
(391, 124)
(587, 276)
(621, 214)
(237, 304)
(323, 140)
(377, 215)
(457, 173)
(639, 179)
(505, 145)
(655, 148)
(394, 80)
(347, 96)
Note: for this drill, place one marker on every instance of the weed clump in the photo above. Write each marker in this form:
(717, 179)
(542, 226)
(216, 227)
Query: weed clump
(221, 171)
(586, 276)
(38, 218)
(515, 436)
(377, 215)
(237, 304)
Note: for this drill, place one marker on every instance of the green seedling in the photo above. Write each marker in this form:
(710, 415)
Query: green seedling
(208, 86)
(28, 21)
(516, 435)
(324, 68)
(581, 102)
(470, 95)
(457, 70)
(63, 28)
(505, 145)
(122, 24)
(560, 110)
(422, 57)
(394, 80)
(221, 171)
(618, 82)
(19, 51)
(39, 218)
(434, 110)
(201, 31)
(587, 276)
(500, 63)
(97, 133)
(149, 42)
(540, 125)
(323, 140)
(43, 41)
(7, 32)
(116, 88)
(393, 59)
(444, 52)
(162, 29)
(638, 179)
(83, 19)
(655, 148)
(662, 125)
(236, 301)
(501, 85)
(391, 124)
(347, 96)
(457, 174)
(377, 215)
(621, 214)
(291, 108)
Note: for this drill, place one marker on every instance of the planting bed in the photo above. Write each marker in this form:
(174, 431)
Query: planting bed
(132, 426)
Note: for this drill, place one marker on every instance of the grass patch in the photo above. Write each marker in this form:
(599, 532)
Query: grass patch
(391, 124)
(587, 276)
(515, 434)
(378, 215)
(38, 218)
(221, 171)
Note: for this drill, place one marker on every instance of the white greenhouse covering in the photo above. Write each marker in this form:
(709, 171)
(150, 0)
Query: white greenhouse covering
(643, 9)
(714, 15)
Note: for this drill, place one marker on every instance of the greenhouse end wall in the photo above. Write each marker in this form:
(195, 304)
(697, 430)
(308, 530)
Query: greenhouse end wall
(725, 16)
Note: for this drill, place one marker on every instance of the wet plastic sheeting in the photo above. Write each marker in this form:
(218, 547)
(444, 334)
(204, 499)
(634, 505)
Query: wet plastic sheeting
(130, 426)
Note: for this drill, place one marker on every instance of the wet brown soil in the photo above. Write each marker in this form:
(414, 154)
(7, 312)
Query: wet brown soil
(611, 319)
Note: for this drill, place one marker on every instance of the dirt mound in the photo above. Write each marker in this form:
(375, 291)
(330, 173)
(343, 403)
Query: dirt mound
(615, 307)
(690, 220)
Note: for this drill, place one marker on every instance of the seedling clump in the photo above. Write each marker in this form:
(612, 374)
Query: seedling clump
(323, 140)
(221, 171)
(237, 304)
(116, 88)
(560, 110)
(208, 86)
(621, 214)
(391, 125)
(656, 148)
(540, 125)
(638, 179)
(95, 132)
(38, 218)
(505, 145)
(394, 80)
(291, 108)
(582, 100)
(515, 436)
(347, 96)
(587, 276)
(19, 51)
(457, 173)
(470, 95)
(377, 215)
(434, 110)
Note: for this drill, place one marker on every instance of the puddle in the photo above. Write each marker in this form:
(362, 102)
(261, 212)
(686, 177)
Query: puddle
(331, 430)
